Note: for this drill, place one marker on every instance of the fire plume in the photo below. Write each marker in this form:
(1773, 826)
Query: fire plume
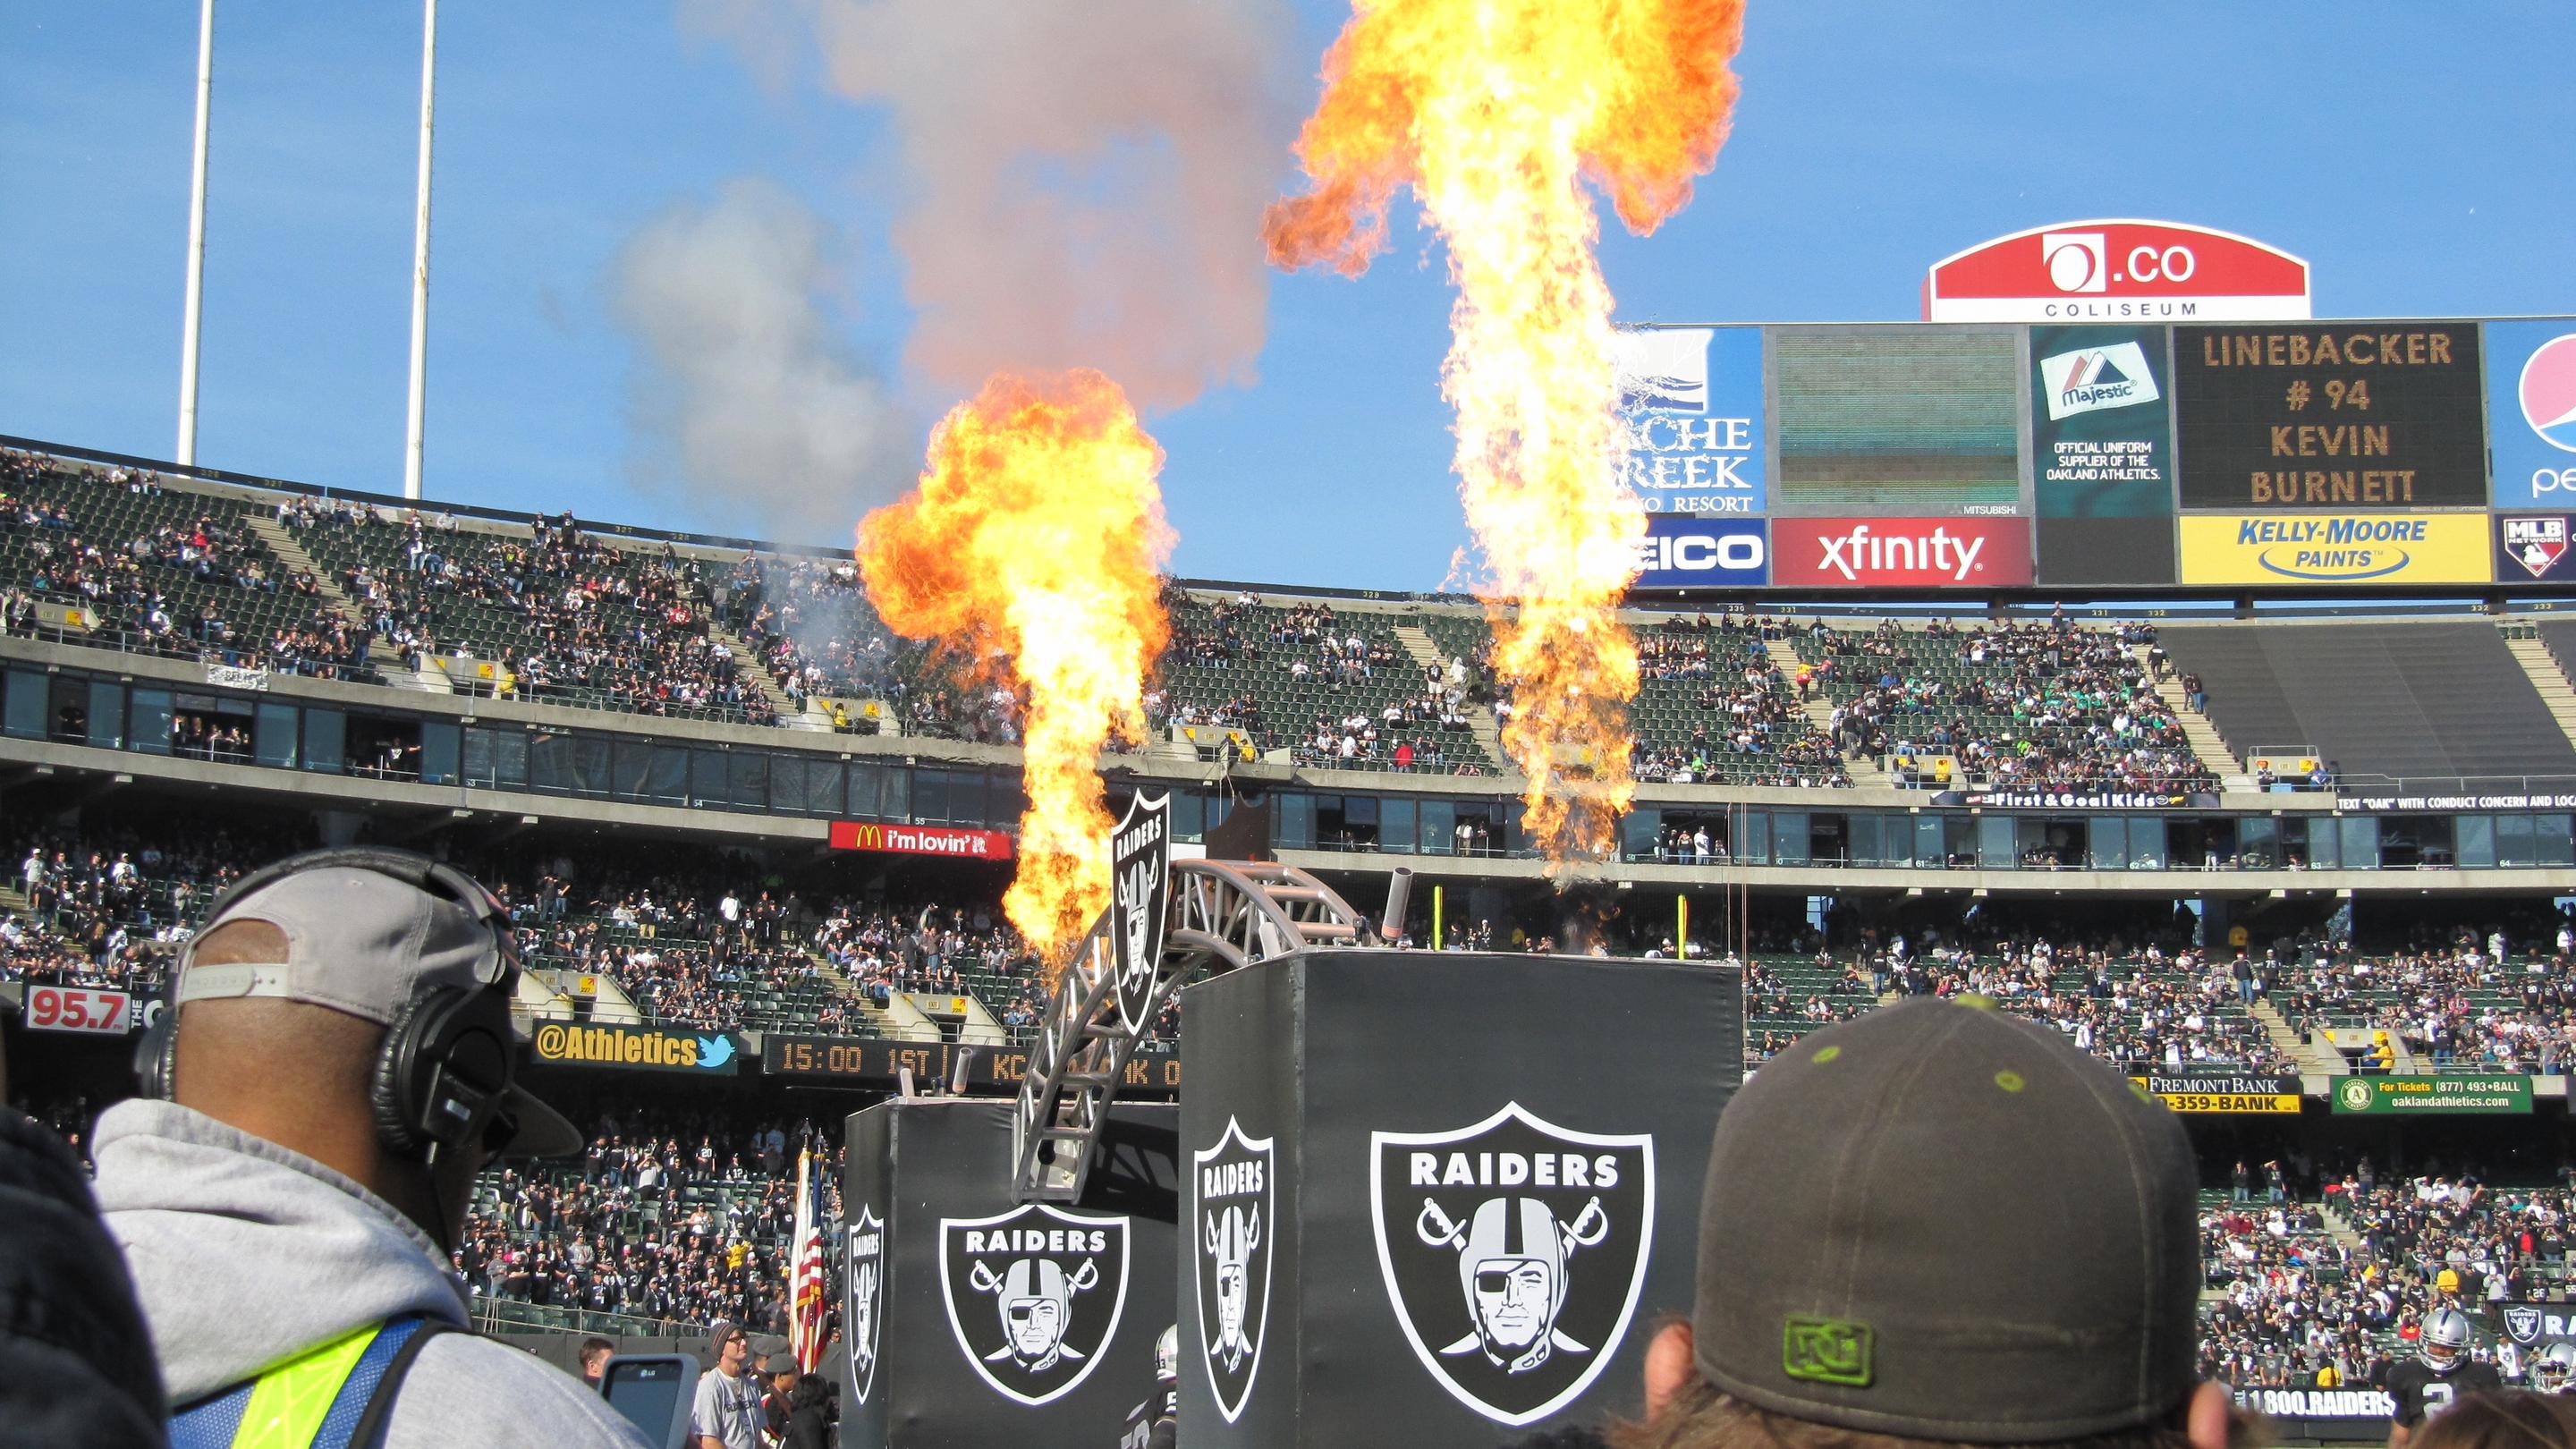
(1030, 548)
(1497, 113)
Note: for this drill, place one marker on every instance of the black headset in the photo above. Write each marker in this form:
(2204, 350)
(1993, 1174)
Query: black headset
(449, 1059)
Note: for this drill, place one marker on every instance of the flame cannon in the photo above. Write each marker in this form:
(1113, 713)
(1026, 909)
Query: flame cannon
(1217, 916)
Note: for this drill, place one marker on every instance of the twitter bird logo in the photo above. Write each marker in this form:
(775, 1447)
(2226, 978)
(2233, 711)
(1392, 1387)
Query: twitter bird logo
(714, 1051)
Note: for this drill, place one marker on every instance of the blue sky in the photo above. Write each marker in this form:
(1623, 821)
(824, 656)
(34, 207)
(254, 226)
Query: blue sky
(2403, 149)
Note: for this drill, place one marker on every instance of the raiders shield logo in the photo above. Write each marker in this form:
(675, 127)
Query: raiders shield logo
(1033, 1296)
(2522, 1323)
(1140, 863)
(1230, 1215)
(866, 1269)
(1513, 1252)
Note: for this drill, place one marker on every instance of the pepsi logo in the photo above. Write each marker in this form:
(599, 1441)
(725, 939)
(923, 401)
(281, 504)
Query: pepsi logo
(2549, 392)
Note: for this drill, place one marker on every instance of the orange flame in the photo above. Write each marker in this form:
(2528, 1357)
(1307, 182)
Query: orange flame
(1496, 112)
(1031, 548)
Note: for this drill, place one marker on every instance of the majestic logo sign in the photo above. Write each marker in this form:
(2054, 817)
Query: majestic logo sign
(1034, 1295)
(866, 1302)
(1140, 864)
(1230, 1205)
(2097, 378)
(2536, 543)
(2108, 271)
(1513, 1252)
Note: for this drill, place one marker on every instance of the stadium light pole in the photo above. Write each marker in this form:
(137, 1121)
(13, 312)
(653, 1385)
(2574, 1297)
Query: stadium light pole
(186, 455)
(420, 255)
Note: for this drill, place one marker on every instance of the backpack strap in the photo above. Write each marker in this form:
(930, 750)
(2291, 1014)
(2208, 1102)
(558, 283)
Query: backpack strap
(369, 1429)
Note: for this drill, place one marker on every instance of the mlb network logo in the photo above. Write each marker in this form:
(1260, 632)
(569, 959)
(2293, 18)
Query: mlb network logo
(2096, 378)
(2536, 543)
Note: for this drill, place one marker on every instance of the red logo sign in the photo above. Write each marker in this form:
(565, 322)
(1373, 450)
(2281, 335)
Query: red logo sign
(2111, 271)
(73, 1008)
(921, 840)
(1900, 553)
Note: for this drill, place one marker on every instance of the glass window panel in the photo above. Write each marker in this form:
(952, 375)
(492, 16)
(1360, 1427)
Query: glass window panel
(1395, 826)
(667, 782)
(1189, 817)
(1927, 841)
(787, 784)
(1865, 842)
(1995, 842)
(590, 771)
(439, 742)
(748, 779)
(273, 735)
(1790, 841)
(1296, 822)
(823, 787)
(1440, 828)
(2515, 843)
(633, 771)
(29, 695)
(2109, 837)
(107, 714)
(867, 782)
(2147, 843)
(707, 778)
(479, 768)
(2555, 844)
(326, 740)
(151, 725)
(2359, 835)
(930, 796)
(896, 803)
(2258, 842)
(2473, 839)
(1756, 830)
(550, 763)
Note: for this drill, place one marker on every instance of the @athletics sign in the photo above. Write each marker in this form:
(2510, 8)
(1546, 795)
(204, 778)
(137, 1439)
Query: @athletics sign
(2117, 271)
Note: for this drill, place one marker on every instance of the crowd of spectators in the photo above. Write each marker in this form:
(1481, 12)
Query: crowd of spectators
(563, 614)
(2038, 705)
(677, 1217)
(106, 908)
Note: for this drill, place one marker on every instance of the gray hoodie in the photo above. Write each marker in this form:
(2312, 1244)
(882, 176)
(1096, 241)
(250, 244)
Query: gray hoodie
(245, 1253)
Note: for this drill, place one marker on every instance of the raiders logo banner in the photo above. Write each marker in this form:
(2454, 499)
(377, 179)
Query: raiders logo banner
(1513, 1252)
(865, 1305)
(1140, 863)
(1033, 1294)
(1231, 1217)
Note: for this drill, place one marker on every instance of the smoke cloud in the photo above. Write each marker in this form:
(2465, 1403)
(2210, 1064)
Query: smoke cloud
(741, 392)
(1084, 176)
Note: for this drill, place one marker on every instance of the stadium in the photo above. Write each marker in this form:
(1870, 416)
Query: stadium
(1224, 970)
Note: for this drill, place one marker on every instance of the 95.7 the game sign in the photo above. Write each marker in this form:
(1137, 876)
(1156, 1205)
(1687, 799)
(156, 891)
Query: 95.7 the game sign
(78, 1008)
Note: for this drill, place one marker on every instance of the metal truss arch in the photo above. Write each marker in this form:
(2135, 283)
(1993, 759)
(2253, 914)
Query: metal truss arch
(1222, 915)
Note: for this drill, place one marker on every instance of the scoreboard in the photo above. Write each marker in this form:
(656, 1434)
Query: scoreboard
(2280, 457)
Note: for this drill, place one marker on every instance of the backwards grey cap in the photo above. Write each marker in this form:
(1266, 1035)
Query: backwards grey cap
(362, 942)
(1944, 1222)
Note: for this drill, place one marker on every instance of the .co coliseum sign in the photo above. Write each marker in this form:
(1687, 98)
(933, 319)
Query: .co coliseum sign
(2117, 271)
(953, 842)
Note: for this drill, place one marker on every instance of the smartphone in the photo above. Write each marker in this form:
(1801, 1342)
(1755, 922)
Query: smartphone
(654, 1392)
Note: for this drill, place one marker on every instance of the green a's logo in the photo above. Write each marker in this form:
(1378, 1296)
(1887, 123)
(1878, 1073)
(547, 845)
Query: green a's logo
(2357, 1093)
(1826, 1350)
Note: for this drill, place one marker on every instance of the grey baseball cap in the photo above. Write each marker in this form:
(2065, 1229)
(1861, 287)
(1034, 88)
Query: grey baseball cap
(1945, 1222)
(362, 942)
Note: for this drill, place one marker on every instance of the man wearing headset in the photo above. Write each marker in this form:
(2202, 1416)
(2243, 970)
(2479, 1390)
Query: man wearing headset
(335, 1066)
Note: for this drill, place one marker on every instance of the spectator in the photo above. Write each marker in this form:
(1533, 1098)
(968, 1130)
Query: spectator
(726, 1414)
(595, 1354)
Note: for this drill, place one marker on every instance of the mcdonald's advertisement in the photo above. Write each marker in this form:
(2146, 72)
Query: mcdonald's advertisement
(953, 842)
(2336, 548)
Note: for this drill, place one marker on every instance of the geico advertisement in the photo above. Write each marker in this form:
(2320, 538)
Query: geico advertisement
(1869, 553)
(1681, 551)
(2335, 548)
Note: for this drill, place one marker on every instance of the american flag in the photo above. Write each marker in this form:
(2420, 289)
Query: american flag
(807, 1305)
